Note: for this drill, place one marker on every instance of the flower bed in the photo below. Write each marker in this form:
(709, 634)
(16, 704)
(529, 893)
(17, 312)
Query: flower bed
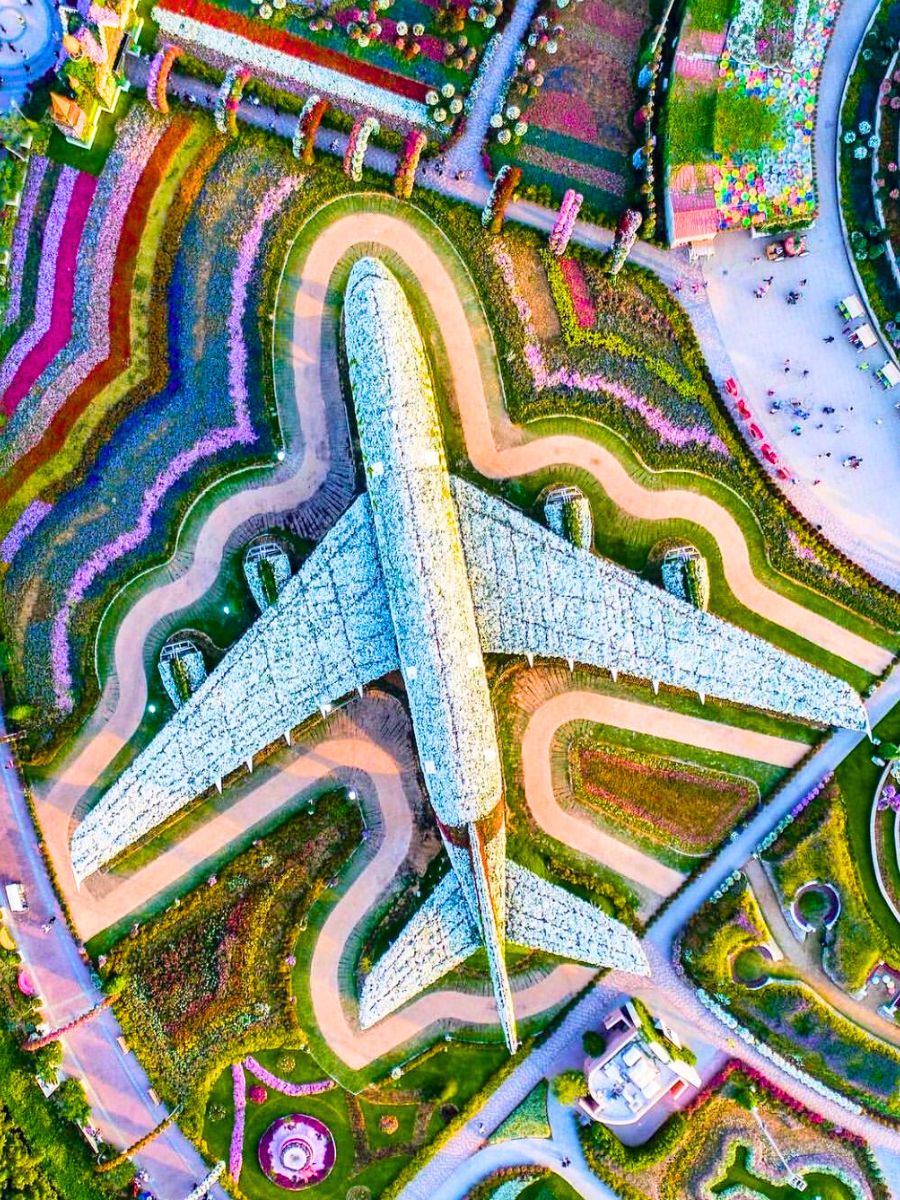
(816, 847)
(297, 1152)
(221, 37)
(37, 168)
(578, 119)
(52, 320)
(207, 981)
(94, 278)
(786, 1020)
(675, 804)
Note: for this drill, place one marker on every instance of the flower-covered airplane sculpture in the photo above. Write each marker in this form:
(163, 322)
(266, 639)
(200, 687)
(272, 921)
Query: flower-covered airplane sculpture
(426, 574)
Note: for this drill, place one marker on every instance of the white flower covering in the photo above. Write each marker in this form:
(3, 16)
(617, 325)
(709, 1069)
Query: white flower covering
(537, 594)
(417, 529)
(260, 58)
(541, 915)
(547, 917)
(329, 632)
(439, 937)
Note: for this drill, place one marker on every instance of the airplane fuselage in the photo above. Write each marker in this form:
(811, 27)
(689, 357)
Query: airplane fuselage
(427, 584)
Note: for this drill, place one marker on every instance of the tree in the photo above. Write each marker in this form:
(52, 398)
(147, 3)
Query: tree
(569, 1087)
(594, 1043)
(71, 1099)
(47, 1061)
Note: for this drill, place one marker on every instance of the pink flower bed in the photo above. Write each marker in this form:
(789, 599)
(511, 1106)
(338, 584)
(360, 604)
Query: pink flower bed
(283, 1085)
(596, 384)
(612, 19)
(89, 343)
(240, 433)
(239, 1096)
(37, 168)
(23, 528)
(585, 313)
(564, 113)
(46, 305)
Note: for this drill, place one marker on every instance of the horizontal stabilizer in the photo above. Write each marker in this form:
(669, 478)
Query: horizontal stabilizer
(543, 916)
(440, 936)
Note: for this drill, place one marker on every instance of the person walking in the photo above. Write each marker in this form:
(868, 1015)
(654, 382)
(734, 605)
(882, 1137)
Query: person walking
(828, 340)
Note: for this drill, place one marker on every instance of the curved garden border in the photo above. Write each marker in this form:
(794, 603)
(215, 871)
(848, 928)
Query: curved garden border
(873, 817)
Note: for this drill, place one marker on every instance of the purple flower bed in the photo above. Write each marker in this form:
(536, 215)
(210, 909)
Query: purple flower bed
(104, 530)
(285, 1086)
(239, 1095)
(23, 528)
(37, 168)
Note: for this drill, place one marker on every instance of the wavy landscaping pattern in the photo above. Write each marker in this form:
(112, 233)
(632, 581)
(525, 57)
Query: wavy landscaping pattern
(495, 447)
(37, 168)
(240, 432)
(46, 288)
(89, 345)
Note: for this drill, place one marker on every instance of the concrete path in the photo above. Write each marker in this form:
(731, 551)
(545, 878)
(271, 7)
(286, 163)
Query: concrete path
(579, 831)
(762, 334)
(116, 1084)
(806, 960)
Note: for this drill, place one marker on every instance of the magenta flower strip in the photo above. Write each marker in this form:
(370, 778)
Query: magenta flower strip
(37, 168)
(23, 528)
(43, 306)
(564, 377)
(239, 1095)
(89, 344)
(240, 433)
(283, 1085)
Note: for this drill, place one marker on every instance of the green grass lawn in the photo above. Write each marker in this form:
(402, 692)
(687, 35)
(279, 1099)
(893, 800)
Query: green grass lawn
(423, 1100)
(819, 1184)
(858, 777)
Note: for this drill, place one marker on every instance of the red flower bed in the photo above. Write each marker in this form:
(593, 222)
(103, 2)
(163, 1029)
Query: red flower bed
(296, 47)
(41, 355)
(120, 309)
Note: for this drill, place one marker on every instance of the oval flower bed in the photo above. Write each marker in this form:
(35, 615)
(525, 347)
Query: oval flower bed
(296, 1152)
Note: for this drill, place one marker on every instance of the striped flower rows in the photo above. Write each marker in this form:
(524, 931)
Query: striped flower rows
(89, 343)
(37, 168)
(210, 444)
(46, 285)
(158, 76)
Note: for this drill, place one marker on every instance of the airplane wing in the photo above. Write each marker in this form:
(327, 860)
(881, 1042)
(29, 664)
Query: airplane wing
(535, 593)
(329, 632)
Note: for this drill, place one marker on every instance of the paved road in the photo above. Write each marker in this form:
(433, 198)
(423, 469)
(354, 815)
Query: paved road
(116, 1084)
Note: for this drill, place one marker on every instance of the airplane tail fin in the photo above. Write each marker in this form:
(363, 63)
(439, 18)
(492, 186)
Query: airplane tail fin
(543, 916)
(439, 937)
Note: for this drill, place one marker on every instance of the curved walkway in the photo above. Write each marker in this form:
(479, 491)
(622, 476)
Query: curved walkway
(497, 449)
(807, 962)
(580, 831)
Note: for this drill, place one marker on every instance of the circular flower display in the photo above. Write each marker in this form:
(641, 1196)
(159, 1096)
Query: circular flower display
(296, 1152)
